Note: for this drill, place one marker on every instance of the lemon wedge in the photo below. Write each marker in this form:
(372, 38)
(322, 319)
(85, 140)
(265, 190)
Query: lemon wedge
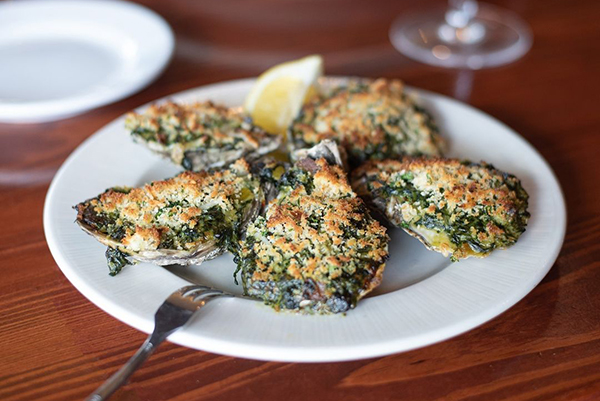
(279, 92)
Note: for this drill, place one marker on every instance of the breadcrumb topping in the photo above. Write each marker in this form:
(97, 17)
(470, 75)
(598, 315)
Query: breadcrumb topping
(177, 214)
(176, 129)
(458, 208)
(376, 120)
(316, 248)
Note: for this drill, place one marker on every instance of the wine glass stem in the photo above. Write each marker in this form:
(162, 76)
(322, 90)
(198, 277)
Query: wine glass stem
(463, 85)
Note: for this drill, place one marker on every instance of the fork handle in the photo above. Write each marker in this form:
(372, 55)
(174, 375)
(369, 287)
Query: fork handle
(120, 377)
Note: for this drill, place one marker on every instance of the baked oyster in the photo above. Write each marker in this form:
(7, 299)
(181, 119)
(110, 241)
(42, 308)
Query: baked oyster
(316, 248)
(454, 207)
(184, 220)
(370, 120)
(199, 136)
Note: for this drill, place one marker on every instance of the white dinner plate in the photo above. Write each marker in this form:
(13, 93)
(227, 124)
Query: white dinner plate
(423, 299)
(59, 58)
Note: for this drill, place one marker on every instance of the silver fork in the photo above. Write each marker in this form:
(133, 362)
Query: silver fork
(170, 316)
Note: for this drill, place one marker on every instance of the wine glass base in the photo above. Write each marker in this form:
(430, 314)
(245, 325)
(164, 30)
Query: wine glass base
(493, 38)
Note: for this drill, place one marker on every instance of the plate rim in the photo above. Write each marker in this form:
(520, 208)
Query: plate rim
(300, 354)
(38, 111)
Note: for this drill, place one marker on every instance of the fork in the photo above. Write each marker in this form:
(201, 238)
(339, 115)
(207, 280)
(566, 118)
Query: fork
(175, 312)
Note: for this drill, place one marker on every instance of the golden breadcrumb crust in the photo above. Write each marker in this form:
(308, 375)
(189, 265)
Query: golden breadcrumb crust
(146, 217)
(375, 120)
(176, 122)
(479, 207)
(318, 232)
(201, 135)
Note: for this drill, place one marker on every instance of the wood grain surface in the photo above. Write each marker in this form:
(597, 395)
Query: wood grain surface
(56, 345)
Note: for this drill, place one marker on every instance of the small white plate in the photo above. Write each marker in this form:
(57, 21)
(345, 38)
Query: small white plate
(423, 298)
(61, 58)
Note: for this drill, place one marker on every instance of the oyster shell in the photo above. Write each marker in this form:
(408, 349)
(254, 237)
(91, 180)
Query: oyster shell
(316, 248)
(185, 220)
(200, 136)
(457, 208)
(326, 149)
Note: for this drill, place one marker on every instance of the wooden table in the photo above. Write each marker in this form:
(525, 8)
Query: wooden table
(56, 345)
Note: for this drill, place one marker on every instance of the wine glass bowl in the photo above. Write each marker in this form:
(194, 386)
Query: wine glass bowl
(467, 35)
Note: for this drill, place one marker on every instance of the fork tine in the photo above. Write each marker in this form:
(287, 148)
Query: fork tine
(200, 291)
(207, 294)
(185, 290)
(198, 288)
(208, 297)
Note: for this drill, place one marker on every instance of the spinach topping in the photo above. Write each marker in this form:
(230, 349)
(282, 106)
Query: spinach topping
(172, 215)
(481, 227)
(116, 260)
(324, 288)
(169, 133)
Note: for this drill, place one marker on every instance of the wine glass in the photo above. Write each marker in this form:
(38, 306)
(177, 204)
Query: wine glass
(467, 35)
